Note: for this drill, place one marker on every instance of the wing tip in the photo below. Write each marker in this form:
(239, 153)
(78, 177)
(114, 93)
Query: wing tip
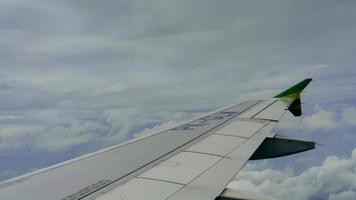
(292, 95)
(294, 91)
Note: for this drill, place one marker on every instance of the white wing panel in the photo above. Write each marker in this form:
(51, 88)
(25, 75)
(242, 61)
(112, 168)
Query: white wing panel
(273, 112)
(140, 189)
(256, 109)
(181, 168)
(242, 128)
(214, 180)
(217, 144)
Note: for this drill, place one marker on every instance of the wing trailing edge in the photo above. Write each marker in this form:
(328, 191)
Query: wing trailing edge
(235, 194)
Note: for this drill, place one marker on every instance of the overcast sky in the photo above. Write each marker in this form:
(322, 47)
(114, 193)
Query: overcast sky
(77, 76)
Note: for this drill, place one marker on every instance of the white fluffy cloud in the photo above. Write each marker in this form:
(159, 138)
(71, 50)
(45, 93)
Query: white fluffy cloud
(18, 136)
(345, 195)
(334, 179)
(349, 116)
(76, 118)
(320, 120)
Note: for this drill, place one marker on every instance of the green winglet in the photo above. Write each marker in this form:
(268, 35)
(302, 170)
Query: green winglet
(292, 95)
(294, 92)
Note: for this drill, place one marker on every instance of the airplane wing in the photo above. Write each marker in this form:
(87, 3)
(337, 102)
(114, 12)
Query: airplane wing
(195, 160)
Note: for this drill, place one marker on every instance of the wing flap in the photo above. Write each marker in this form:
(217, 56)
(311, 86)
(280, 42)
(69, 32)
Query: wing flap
(250, 113)
(214, 180)
(244, 128)
(273, 112)
(196, 176)
(139, 188)
(217, 145)
(181, 168)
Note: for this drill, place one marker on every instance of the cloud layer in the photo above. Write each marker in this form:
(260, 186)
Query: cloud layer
(334, 179)
(321, 120)
(79, 72)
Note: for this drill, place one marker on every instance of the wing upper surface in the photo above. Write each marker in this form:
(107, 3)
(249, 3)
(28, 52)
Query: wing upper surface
(91, 175)
(193, 161)
(203, 170)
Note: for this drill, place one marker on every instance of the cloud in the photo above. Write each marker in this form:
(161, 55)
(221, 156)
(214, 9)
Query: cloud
(334, 179)
(346, 195)
(59, 138)
(35, 118)
(320, 120)
(8, 174)
(349, 116)
(17, 137)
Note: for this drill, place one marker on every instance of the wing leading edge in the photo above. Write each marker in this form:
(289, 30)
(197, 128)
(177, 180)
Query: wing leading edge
(195, 160)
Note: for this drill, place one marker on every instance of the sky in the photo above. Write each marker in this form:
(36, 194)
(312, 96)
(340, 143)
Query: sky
(78, 76)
